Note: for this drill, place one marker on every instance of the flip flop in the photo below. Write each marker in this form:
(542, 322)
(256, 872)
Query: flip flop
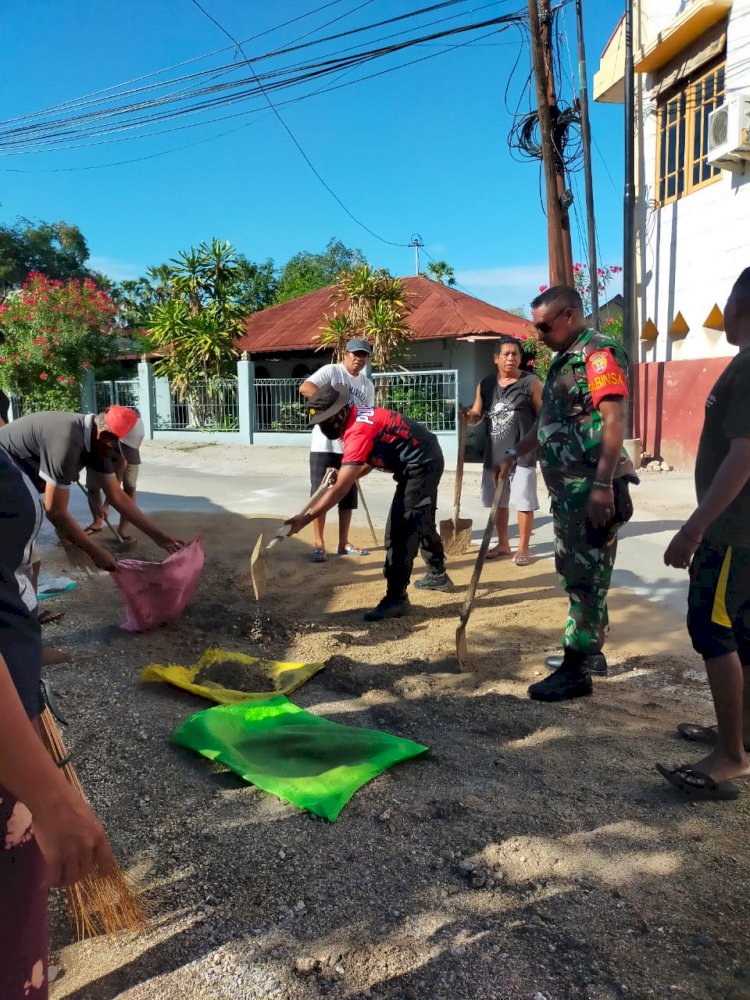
(47, 617)
(719, 791)
(319, 556)
(92, 531)
(352, 550)
(521, 560)
(492, 554)
(708, 735)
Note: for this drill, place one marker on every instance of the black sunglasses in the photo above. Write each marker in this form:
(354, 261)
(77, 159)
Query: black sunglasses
(546, 327)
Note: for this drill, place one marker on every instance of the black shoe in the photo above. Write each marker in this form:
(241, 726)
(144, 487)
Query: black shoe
(595, 663)
(389, 607)
(432, 580)
(562, 685)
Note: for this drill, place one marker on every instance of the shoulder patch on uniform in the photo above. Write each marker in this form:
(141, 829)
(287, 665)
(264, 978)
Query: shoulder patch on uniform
(599, 361)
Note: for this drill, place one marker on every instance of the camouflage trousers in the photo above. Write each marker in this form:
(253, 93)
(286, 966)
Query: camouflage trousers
(584, 560)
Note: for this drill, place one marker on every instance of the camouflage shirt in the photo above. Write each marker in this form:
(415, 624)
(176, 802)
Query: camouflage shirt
(570, 425)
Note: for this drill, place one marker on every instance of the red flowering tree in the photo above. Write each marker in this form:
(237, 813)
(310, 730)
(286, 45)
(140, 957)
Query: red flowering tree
(52, 332)
(538, 356)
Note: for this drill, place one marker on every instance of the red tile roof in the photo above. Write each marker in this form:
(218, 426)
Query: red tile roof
(437, 311)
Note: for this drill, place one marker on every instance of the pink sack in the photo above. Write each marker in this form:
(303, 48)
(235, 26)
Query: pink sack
(157, 593)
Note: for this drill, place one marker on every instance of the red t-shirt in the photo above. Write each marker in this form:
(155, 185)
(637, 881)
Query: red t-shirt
(387, 440)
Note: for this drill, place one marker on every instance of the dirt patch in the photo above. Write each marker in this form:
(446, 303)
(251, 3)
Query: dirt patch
(235, 676)
(534, 853)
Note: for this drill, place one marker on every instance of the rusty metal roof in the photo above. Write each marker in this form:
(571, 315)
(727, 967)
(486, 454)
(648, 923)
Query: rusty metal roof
(437, 311)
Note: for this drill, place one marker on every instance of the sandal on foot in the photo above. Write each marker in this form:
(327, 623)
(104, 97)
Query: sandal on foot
(521, 560)
(319, 556)
(697, 784)
(494, 554)
(91, 530)
(708, 735)
(47, 617)
(353, 550)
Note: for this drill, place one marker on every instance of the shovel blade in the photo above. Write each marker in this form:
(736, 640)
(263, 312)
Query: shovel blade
(455, 535)
(258, 569)
(462, 650)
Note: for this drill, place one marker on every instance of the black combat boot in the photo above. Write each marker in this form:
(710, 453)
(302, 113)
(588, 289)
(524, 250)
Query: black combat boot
(596, 663)
(389, 607)
(570, 680)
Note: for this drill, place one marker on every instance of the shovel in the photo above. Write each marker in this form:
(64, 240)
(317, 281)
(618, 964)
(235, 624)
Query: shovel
(259, 558)
(455, 534)
(462, 652)
(367, 512)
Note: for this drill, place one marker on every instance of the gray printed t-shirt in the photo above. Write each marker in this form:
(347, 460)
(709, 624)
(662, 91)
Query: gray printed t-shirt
(53, 447)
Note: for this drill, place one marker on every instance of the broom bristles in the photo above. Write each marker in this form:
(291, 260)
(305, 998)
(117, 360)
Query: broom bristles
(98, 904)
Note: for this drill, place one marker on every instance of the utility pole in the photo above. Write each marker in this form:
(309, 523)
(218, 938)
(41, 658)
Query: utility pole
(630, 312)
(557, 272)
(586, 140)
(416, 242)
(563, 195)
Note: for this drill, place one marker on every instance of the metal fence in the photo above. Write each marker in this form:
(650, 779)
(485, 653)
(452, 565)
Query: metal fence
(122, 392)
(429, 397)
(279, 406)
(206, 405)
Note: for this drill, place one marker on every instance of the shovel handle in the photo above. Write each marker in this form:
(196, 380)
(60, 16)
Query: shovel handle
(462, 429)
(469, 600)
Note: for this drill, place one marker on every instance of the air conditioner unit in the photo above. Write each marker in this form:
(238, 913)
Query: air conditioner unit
(729, 134)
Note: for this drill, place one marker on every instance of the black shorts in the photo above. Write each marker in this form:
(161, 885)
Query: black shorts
(320, 462)
(719, 601)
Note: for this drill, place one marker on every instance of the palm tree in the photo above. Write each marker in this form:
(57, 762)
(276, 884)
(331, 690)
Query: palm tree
(441, 271)
(376, 309)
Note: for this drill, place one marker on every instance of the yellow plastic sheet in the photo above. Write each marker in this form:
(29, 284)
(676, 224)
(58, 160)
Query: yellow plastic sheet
(284, 677)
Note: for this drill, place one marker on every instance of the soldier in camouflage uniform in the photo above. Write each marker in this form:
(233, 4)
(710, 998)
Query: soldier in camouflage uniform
(579, 433)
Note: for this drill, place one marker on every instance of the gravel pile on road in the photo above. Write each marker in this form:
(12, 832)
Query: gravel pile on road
(533, 855)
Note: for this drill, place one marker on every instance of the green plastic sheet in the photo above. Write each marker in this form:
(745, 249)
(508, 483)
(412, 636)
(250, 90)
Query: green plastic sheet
(311, 762)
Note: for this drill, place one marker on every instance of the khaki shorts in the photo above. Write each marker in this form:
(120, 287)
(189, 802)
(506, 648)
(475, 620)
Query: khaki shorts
(96, 481)
(520, 490)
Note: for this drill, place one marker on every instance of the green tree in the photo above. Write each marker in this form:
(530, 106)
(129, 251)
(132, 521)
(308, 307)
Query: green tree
(375, 307)
(307, 272)
(197, 326)
(56, 249)
(441, 271)
(257, 284)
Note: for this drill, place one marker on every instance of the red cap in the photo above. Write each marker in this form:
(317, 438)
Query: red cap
(125, 424)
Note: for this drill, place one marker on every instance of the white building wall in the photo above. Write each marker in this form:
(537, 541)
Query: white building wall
(691, 250)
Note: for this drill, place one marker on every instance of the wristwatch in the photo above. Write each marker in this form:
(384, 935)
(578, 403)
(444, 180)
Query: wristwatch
(512, 452)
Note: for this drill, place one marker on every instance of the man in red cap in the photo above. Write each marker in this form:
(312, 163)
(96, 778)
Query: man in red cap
(52, 448)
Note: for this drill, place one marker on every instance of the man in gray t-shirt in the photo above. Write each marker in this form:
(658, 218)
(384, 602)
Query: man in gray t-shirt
(52, 448)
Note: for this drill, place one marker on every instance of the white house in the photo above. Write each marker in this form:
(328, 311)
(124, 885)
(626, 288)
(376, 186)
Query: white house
(693, 217)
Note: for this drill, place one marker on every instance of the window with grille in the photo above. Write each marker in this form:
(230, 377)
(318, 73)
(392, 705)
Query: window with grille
(682, 166)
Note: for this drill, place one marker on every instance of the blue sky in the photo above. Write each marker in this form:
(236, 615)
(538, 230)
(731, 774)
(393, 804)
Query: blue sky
(419, 150)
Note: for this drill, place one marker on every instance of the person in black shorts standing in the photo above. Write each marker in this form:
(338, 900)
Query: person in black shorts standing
(385, 439)
(715, 543)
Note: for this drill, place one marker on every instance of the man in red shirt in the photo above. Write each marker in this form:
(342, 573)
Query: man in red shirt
(375, 438)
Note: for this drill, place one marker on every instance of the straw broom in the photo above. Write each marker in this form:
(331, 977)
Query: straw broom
(99, 904)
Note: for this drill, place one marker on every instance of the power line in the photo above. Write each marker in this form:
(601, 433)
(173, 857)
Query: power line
(291, 135)
(292, 101)
(51, 134)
